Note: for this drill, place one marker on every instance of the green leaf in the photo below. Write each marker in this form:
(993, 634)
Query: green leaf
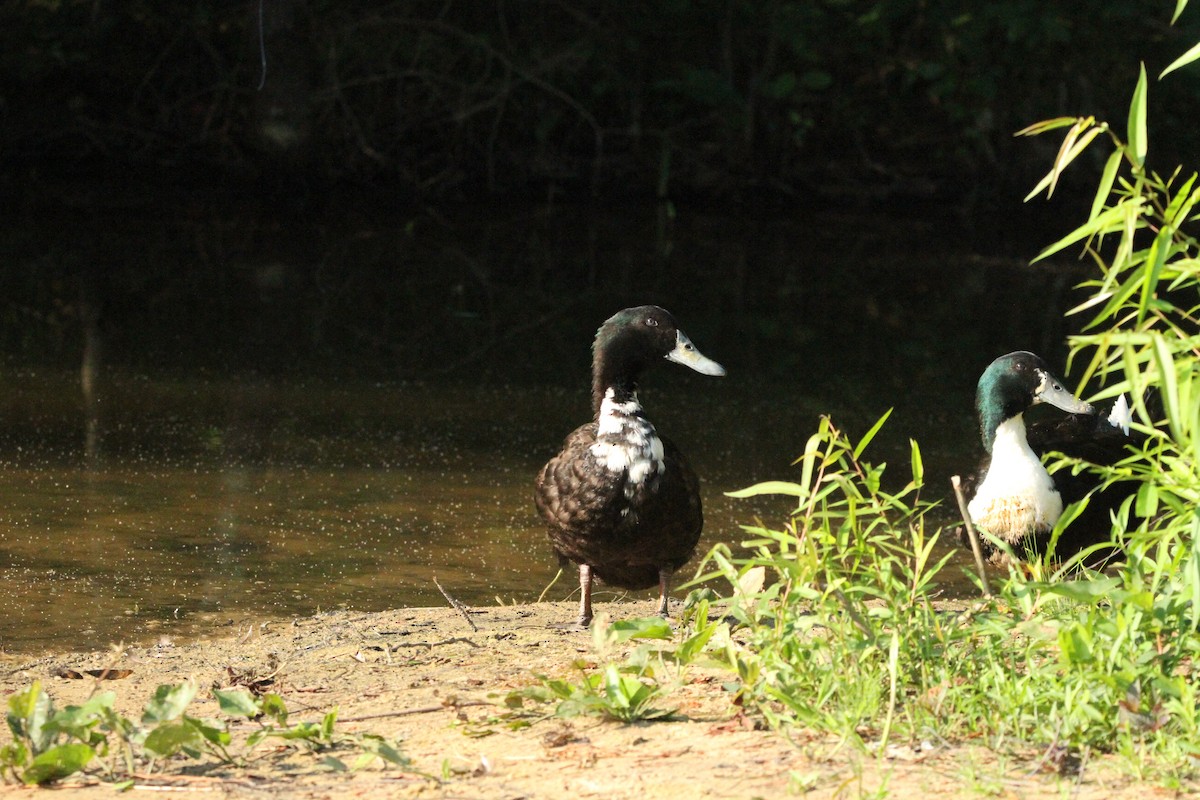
(77, 721)
(1073, 144)
(1181, 203)
(1147, 500)
(168, 702)
(641, 628)
(378, 746)
(1106, 183)
(334, 764)
(238, 702)
(1111, 219)
(28, 712)
(1137, 121)
(58, 762)
(1159, 250)
(211, 733)
(274, 707)
(1046, 125)
(1179, 6)
(869, 435)
(308, 731)
(918, 468)
(1089, 591)
(172, 736)
(14, 754)
(1169, 388)
(1191, 55)
(327, 725)
(1076, 645)
(771, 487)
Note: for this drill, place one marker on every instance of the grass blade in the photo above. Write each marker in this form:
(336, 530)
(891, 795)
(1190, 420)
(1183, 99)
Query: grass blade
(1137, 121)
(869, 435)
(1185, 59)
(1106, 183)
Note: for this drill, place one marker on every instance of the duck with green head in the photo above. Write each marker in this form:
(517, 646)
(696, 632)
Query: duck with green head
(621, 500)
(1017, 500)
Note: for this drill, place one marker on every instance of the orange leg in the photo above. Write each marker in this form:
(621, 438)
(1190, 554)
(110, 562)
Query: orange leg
(585, 595)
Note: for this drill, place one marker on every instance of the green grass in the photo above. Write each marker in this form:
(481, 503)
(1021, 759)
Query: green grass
(841, 626)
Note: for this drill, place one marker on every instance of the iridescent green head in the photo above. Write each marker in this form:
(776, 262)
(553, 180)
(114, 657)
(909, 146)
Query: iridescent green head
(1011, 385)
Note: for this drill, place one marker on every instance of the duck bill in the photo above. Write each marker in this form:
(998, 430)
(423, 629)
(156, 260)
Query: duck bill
(1051, 391)
(686, 353)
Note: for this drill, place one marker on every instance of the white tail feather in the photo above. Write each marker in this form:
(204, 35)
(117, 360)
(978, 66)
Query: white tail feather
(1120, 416)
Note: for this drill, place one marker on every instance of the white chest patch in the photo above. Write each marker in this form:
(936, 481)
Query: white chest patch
(1017, 497)
(626, 441)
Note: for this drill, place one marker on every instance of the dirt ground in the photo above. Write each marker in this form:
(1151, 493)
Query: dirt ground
(422, 675)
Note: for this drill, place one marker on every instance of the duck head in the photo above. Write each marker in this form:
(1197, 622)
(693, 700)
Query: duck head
(634, 339)
(1011, 385)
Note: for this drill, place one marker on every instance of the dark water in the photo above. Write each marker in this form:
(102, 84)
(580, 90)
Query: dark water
(288, 420)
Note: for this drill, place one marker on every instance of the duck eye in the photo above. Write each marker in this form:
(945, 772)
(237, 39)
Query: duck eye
(652, 322)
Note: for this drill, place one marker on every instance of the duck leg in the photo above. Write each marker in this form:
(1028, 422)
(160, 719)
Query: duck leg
(585, 595)
(664, 590)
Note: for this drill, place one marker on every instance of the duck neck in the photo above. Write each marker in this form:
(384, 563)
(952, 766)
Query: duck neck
(1010, 445)
(617, 385)
(991, 417)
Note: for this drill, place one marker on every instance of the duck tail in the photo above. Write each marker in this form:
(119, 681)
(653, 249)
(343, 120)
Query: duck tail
(1120, 416)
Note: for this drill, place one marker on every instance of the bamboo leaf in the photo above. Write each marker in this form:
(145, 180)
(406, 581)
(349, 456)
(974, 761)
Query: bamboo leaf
(1155, 260)
(869, 435)
(1182, 204)
(1169, 388)
(771, 487)
(1185, 59)
(1106, 183)
(1046, 125)
(1123, 293)
(810, 454)
(1108, 220)
(1068, 154)
(918, 467)
(1137, 121)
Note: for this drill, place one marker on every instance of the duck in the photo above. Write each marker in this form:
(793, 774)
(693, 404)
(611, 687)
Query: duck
(620, 500)
(1016, 499)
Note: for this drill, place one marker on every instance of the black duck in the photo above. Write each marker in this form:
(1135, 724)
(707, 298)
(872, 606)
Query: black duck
(621, 500)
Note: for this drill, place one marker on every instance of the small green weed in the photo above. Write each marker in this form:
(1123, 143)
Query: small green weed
(50, 744)
(627, 691)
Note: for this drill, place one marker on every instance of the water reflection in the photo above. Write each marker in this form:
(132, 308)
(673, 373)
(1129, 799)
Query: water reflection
(332, 412)
(342, 496)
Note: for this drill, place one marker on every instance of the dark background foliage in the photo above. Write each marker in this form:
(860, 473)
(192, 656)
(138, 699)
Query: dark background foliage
(710, 98)
(453, 187)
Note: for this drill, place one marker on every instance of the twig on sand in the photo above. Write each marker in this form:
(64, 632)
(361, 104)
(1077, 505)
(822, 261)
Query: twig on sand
(410, 711)
(550, 585)
(459, 607)
(956, 482)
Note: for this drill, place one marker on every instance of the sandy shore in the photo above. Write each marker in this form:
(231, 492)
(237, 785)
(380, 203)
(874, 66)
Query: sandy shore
(425, 677)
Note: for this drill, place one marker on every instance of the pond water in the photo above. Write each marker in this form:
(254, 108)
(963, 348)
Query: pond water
(287, 420)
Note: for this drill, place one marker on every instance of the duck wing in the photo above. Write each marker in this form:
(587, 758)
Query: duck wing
(1096, 439)
(625, 532)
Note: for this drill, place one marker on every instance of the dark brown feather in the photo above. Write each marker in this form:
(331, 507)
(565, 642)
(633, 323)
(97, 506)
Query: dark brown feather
(626, 539)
